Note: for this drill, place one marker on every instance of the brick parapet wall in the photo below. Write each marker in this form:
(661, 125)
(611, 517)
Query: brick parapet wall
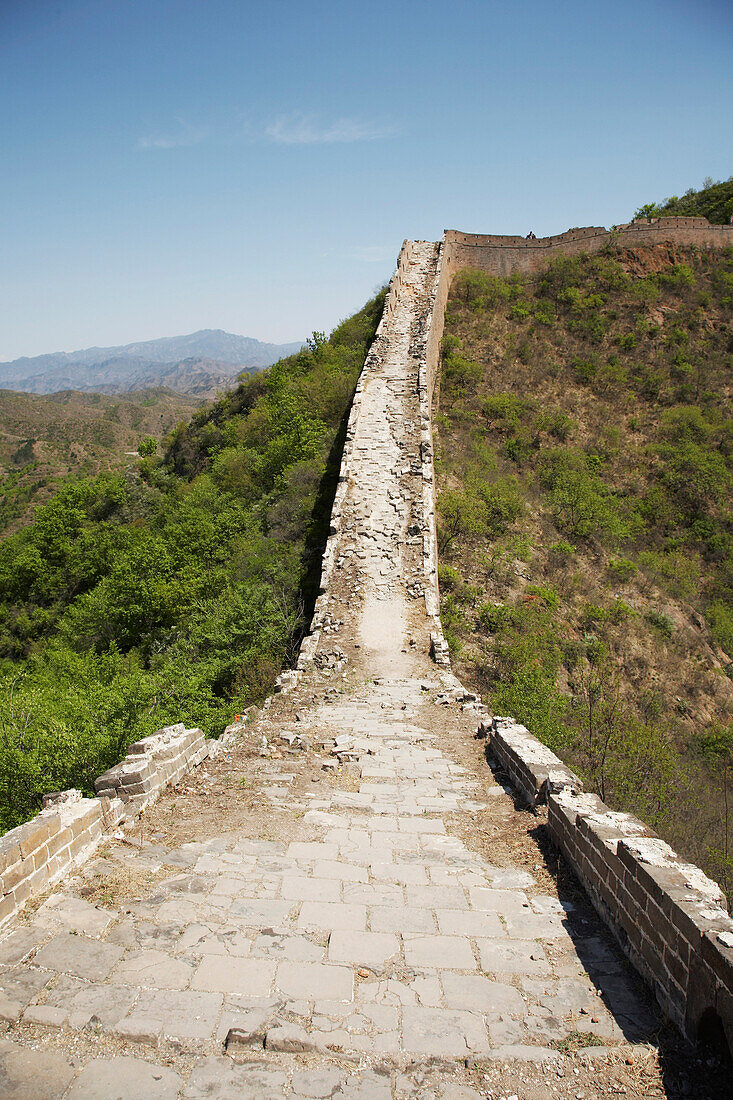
(38, 853)
(66, 832)
(151, 764)
(503, 255)
(668, 916)
(533, 770)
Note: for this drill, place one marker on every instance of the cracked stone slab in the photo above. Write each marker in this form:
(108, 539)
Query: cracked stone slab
(178, 1016)
(77, 955)
(448, 1034)
(27, 1074)
(125, 1079)
(220, 1078)
(363, 948)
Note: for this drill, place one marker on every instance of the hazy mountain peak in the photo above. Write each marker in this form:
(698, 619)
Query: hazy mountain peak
(142, 364)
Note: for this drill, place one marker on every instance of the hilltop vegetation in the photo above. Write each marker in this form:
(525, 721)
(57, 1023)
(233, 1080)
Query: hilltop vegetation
(713, 201)
(174, 591)
(585, 442)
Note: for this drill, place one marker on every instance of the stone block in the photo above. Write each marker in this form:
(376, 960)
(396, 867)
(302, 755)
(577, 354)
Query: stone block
(363, 948)
(332, 916)
(28, 1074)
(475, 993)
(311, 981)
(124, 1076)
(10, 853)
(79, 956)
(440, 1033)
(439, 952)
(36, 832)
(224, 974)
(289, 1039)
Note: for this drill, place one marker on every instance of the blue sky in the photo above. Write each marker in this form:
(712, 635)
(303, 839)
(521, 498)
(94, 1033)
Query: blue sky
(170, 165)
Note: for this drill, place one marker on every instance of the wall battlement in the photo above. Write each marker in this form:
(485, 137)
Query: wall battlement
(501, 255)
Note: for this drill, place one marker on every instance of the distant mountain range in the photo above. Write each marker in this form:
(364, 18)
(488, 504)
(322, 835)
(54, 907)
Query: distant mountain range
(200, 364)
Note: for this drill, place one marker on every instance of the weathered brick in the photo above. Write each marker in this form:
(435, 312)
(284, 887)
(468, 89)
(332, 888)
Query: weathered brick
(36, 832)
(80, 842)
(676, 967)
(38, 880)
(10, 853)
(133, 789)
(650, 955)
(718, 957)
(8, 907)
(22, 891)
(12, 876)
(56, 843)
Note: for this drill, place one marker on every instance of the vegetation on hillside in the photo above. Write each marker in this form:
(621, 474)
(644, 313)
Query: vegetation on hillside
(45, 438)
(585, 442)
(174, 591)
(713, 201)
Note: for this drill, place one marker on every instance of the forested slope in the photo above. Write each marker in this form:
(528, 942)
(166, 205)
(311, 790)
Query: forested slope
(176, 591)
(585, 461)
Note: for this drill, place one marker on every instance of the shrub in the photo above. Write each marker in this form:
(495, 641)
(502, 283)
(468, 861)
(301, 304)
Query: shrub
(556, 423)
(505, 411)
(660, 622)
(622, 570)
(448, 577)
(461, 373)
(493, 617)
(720, 621)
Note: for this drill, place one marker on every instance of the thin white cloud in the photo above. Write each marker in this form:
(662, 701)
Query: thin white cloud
(299, 129)
(180, 137)
(291, 129)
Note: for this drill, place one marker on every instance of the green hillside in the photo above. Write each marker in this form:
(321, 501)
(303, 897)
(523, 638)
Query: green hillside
(45, 438)
(585, 463)
(713, 201)
(174, 591)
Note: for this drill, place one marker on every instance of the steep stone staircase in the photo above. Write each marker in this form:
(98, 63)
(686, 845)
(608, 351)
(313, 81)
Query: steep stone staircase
(343, 902)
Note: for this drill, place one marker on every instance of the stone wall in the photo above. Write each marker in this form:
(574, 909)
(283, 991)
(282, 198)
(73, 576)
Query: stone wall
(67, 830)
(38, 853)
(669, 917)
(502, 255)
(150, 765)
(419, 350)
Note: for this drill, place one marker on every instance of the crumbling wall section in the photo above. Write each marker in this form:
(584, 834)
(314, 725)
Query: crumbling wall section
(150, 765)
(423, 341)
(38, 853)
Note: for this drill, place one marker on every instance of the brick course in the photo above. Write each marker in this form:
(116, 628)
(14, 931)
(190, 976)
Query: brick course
(669, 917)
(36, 854)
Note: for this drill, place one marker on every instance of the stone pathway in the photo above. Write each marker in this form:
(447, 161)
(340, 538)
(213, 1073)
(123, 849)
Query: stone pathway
(370, 950)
